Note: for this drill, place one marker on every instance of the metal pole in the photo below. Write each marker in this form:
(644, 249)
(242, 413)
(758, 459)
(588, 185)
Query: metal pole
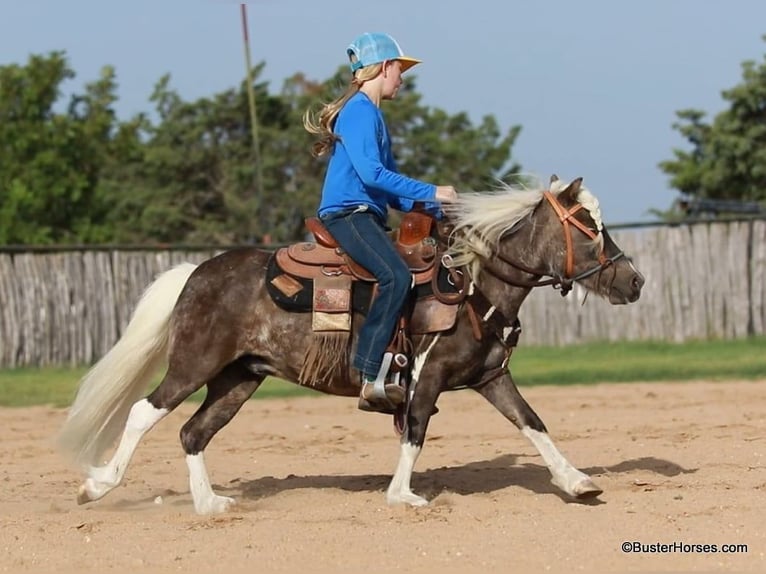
(253, 118)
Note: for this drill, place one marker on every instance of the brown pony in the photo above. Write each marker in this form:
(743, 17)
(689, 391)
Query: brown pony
(217, 326)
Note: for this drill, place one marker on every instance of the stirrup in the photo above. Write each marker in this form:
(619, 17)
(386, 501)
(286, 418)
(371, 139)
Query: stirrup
(378, 396)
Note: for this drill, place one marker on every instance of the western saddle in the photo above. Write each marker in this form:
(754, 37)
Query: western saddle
(332, 274)
(325, 258)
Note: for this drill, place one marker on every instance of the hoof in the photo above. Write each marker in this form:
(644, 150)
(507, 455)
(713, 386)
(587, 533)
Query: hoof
(586, 489)
(409, 498)
(83, 496)
(93, 489)
(216, 505)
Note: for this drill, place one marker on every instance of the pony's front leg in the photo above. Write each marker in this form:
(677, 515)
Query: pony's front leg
(422, 406)
(504, 395)
(572, 481)
(103, 479)
(400, 491)
(205, 500)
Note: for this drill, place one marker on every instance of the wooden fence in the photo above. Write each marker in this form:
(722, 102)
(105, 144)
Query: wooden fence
(703, 281)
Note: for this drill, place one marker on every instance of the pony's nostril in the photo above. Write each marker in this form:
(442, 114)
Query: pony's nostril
(637, 282)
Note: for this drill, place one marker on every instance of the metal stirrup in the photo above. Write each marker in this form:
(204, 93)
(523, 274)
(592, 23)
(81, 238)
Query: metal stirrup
(379, 386)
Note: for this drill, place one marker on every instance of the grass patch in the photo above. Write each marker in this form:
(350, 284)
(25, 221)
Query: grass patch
(576, 364)
(641, 361)
(57, 387)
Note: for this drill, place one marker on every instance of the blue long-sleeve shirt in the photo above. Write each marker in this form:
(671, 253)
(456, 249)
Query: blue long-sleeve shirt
(362, 169)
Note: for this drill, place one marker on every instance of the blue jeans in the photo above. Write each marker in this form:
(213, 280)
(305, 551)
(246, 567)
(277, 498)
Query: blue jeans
(362, 235)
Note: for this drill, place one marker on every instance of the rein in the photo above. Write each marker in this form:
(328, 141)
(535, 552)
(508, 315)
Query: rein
(566, 217)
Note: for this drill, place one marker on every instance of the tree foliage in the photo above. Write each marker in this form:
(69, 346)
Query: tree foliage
(727, 159)
(50, 161)
(185, 172)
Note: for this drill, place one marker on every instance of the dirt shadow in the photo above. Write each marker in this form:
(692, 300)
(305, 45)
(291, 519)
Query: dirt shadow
(476, 477)
(647, 463)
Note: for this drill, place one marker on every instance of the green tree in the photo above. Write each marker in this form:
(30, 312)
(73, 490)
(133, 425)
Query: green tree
(50, 161)
(193, 179)
(186, 172)
(728, 156)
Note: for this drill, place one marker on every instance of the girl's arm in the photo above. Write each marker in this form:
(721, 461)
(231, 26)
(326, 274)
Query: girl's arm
(360, 132)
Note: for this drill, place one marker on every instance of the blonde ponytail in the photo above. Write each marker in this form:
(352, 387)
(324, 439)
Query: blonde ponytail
(322, 122)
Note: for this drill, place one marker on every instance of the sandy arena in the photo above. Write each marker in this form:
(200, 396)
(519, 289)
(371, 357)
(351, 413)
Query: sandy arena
(679, 463)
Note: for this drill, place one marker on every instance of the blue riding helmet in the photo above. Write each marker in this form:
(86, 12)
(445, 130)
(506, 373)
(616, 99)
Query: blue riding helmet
(376, 47)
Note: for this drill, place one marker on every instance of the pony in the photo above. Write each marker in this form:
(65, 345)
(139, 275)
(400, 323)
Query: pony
(215, 325)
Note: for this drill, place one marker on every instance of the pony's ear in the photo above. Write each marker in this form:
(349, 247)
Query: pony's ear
(554, 178)
(572, 191)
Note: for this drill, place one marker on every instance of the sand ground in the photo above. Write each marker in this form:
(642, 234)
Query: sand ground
(679, 463)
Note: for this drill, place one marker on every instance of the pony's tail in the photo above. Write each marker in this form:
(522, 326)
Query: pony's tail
(111, 387)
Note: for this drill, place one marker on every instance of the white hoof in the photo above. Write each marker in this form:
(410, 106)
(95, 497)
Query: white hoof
(581, 488)
(408, 498)
(83, 496)
(586, 488)
(91, 490)
(215, 505)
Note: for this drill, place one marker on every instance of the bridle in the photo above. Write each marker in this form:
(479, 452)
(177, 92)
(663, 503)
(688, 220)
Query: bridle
(480, 309)
(565, 283)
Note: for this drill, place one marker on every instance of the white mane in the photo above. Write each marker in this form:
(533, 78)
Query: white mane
(481, 219)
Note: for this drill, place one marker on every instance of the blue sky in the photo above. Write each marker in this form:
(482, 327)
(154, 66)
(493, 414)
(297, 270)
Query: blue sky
(595, 84)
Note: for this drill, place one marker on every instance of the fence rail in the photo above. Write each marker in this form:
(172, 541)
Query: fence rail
(702, 281)
(706, 280)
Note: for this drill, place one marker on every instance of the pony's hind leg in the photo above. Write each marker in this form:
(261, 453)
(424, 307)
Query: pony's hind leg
(227, 392)
(175, 387)
(102, 479)
(503, 395)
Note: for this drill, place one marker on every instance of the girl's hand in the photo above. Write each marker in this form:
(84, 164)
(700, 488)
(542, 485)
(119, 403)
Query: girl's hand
(446, 193)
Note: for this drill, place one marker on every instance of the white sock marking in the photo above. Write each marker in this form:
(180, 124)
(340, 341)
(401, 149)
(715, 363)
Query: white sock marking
(563, 474)
(399, 491)
(143, 416)
(205, 500)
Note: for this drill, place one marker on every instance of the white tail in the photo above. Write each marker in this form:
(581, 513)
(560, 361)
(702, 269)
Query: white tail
(111, 387)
